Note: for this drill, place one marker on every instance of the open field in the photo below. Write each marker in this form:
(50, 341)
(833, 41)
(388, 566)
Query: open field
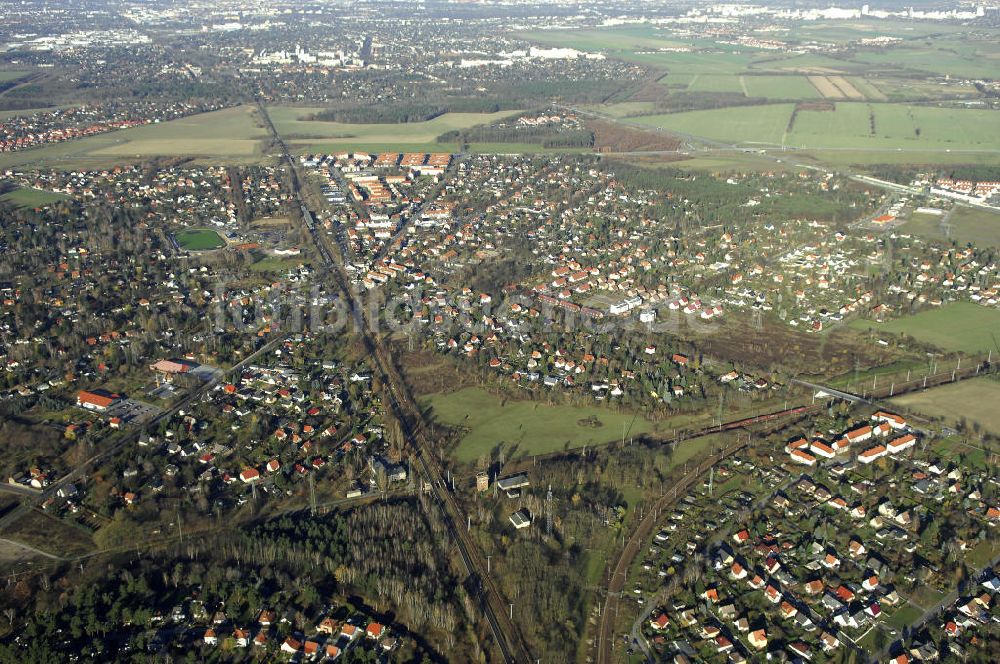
(846, 88)
(973, 453)
(825, 87)
(276, 264)
(12, 75)
(692, 62)
(780, 87)
(232, 131)
(199, 239)
(290, 123)
(966, 225)
(758, 124)
(862, 157)
(849, 126)
(867, 89)
(808, 63)
(230, 135)
(936, 59)
(980, 555)
(974, 400)
(956, 327)
(678, 80)
(626, 108)
(610, 39)
(527, 427)
(517, 148)
(330, 147)
(6, 115)
(715, 83)
(904, 89)
(31, 198)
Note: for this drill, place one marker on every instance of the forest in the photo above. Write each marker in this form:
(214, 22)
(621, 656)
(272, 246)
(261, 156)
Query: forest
(380, 561)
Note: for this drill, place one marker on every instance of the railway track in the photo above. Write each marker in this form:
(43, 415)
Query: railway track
(482, 587)
(617, 574)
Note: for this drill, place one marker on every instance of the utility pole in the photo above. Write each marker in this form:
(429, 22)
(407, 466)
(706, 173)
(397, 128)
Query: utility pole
(312, 494)
(548, 513)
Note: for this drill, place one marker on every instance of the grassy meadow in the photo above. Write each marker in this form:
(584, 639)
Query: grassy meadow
(291, 123)
(967, 225)
(231, 135)
(527, 427)
(975, 400)
(32, 198)
(957, 327)
(850, 126)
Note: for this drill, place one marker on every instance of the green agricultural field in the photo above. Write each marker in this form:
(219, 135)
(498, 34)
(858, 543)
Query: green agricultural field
(527, 427)
(521, 148)
(630, 38)
(695, 62)
(199, 239)
(809, 63)
(957, 327)
(897, 126)
(930, 60)
(291, 124)
(905, 89)
(715, 83)
(868, 157)
(230, 135)
(846, 31)
(32, 198)
(973, 400)
(678, 80)
(780, 87)
(865, 87)
(625, 109)
(755, 124)
(12, 75)
(332, 147)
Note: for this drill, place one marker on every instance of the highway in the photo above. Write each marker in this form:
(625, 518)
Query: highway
(483, 588)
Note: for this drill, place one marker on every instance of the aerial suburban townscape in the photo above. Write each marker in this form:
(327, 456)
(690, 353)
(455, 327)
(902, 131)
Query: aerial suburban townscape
(492, 331)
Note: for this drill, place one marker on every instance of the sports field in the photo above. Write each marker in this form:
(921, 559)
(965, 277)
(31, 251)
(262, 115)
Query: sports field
(526, 427)
(199, 239)
(31, 198)
(975, 400)
(230, 135)
(956, 327)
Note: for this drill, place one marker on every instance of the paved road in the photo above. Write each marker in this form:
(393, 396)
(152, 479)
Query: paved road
(127, 437)
(782, 154)
(931, 612)
(830, 391)
(494, 605)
